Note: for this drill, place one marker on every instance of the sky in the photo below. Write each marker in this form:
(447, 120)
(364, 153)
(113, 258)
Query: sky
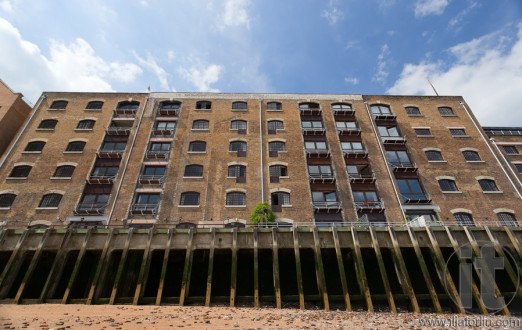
(471, 48)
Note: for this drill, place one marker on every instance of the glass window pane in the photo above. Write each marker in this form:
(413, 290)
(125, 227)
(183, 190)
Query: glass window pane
(317, 196)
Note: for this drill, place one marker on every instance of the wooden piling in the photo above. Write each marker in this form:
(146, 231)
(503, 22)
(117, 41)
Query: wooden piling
(360, 272)
(210, 266)
(295, 234)
(382, 268)
(187, 269)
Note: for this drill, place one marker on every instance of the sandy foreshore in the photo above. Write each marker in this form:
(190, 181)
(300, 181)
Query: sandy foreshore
(49, 316)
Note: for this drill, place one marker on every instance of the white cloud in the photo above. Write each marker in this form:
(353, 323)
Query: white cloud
(235, 14)
(144, 3)
(151, 64)
(430, 7)
(351, 80)
(171, 56)
(455, 21)
(487, 73)
(6, 5)
(381, 74)
(202, 76)
(332, 14)
(72, 67)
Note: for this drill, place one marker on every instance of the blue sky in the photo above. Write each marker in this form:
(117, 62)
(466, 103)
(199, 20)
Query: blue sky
(471, 48)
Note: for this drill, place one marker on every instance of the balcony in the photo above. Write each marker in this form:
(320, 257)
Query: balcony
(415, 198)
(343, 112)
(313, 131)
(356, 131)
(87, 208)
(110, 153)
(355, 153)
(151, 179)
(101, 179)
(393, 140)
(168, 112)
(370, 206)
(361, 177)
(317, 153)
(118, 130)
(310, 111)
(129, 112)
(327, 207)
(321, 178)
(163, 132)
(403, 166)
(384, 117)
(144, 209)
(157, 154)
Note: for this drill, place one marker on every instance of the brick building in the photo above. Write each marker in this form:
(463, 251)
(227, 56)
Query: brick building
(13, 113)
(204, 158)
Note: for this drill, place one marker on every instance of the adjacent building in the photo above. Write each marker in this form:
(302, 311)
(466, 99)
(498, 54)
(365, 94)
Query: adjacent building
(207, 159)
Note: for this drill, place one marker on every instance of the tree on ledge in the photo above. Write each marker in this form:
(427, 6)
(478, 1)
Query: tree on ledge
(262, 211)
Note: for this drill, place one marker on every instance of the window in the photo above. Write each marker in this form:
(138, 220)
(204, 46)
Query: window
(463, 219)
(6, 200)
(471, 156)
(147, 199)
(446, 111)
(203, 105)
(412, 111)
(155, 171)
(239, 105)
(113, 145)
(487, 185)
(276, 146)
(278, 171)
(506, 219)
(312, 124)
(65, 171)
(510, 150)
(352, 146)
(157, 146)
(93, 201)
(50, 200)
(518, 167)
(48, 124)
(167, 105)
(197, 146)
(165, 126)
(35, 146)
(410, 189)
(189, 198)
(75, 146)
(58, 105)
(315, 145)
(324, 197)
(238, 124)
(308, 106)
(378, 109)
(427, 215)
(320, 171)
(200, 124)
(434, 155)
(94, 105)
(279, 199)
(193, 171)
(274, 106)
(237, 171)
(365, 197)
(105, 168)
(388, 131)
(359, 171)
(237, 146)
(85, 124)
(21, 171)
(345, 125)
(448, 185)
(457, 132)
(398, 157)
(341, 107)
(422, 131)
(126, 105)
(236, 199)
(274, 125)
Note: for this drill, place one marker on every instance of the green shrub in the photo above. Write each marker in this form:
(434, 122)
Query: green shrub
(259, 212)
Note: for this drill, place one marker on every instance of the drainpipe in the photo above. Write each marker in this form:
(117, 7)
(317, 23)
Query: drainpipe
(36, 108)
(385, 162)
(127, 160)
(490, 149)
(261, 148)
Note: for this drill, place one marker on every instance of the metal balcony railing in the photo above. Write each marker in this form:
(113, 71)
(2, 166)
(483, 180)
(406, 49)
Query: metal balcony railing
(151, 154)
(118, 130)
(101, 179)
(322, 177)
(403, 166)
(90, 208)
(144, 209)
(313, 131)
(332, 206)
(348, 130)
(415, 198)
(152, 179)
(369, 205)
(355, 153)
(110, 153)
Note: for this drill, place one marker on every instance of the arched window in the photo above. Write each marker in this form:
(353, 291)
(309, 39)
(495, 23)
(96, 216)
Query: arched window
(198, 146)
(448, 185)
(189, 198)
(204, 105)
(35, 146)
(341, 107)
(94, 105)
(21, 171)
(278, 170)
(274, 106)
(239, 105)
(65, 171)
(86, 124)
(380, 109)
(75, 146)
(170, 105)
(446, 111)
(412, 111)
(309, 106)
(193, 171)
(488, 185)
(49, 124)
(58, 105)
(274, 125)
(433, 155)
(128, 105)
(236, 198)
(200, 124)
(471, 156)
(278, 199)
(238, 146)
(464, 219)
(50, 200)
(6, 200)
(238, 124)
(507, 219)
(237, 171)
(276, 146)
